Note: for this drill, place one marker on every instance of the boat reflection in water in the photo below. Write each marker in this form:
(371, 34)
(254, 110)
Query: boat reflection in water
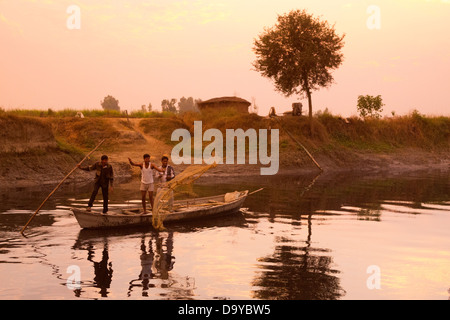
(155, 257)
(156, 260)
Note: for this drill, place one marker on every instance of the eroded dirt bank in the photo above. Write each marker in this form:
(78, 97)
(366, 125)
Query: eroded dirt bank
(37, 151)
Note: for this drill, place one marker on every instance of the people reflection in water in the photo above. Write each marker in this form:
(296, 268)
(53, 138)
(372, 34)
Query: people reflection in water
(148, 269)
(102, 270)
(156, 262)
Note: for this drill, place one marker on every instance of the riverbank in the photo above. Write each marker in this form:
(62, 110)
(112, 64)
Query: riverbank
(41, 150)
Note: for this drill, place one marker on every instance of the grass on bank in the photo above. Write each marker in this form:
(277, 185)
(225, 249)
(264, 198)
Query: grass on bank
(93, 113)
(385, 134)
(330, 132)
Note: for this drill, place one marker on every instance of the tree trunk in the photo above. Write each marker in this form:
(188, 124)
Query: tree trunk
(308, 93)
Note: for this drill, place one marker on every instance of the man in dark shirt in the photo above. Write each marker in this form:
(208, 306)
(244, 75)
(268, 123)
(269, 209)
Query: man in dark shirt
(104, 178)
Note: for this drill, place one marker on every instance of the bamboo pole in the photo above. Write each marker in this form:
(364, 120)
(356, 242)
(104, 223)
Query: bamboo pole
(59, 185)
(256, 191)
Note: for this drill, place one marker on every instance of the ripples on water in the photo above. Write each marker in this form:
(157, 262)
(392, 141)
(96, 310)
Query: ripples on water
(301, 238)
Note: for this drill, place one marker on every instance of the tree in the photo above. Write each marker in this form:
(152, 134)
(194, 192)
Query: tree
(145, 108)
(188, 105)
(169, 105)
(110, 103)
(298, 54)
(370, 106)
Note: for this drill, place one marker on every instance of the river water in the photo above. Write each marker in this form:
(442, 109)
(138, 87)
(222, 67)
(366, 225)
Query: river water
(339, 236)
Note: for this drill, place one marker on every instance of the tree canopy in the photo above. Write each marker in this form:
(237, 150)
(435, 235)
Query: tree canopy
(110, 103)
(299, 54)
(188, 105)
(169, 105)
(370, 106)
(184, 105)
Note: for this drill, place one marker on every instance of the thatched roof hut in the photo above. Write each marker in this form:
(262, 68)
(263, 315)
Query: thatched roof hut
(239, 104)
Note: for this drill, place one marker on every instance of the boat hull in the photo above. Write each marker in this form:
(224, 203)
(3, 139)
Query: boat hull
(116, 218)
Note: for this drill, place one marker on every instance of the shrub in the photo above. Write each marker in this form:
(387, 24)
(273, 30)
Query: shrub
(370, 106)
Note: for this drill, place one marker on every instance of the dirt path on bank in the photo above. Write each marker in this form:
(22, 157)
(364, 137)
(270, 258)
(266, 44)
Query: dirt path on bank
(142, 144)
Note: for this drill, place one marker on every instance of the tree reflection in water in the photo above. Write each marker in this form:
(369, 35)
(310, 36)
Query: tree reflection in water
(298, 273)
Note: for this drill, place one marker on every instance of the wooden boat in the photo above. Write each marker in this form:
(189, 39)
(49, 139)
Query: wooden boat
(183, 210)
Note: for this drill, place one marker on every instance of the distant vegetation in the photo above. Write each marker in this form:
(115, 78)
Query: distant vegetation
(188, 105)
(95, 113)
(110, 103)
(370, 106)
(184, 105)
(111, 109)
(148, 108)
(169, 105)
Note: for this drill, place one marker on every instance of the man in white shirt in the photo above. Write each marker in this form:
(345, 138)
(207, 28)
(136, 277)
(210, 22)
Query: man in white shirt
(147, 183)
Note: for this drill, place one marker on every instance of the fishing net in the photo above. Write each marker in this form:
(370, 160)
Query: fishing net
(163, 203)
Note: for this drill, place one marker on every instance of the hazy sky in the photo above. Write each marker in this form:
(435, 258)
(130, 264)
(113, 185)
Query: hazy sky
(144, 51)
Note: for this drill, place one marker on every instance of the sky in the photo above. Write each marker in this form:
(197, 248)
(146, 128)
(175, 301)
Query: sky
(144, 51)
